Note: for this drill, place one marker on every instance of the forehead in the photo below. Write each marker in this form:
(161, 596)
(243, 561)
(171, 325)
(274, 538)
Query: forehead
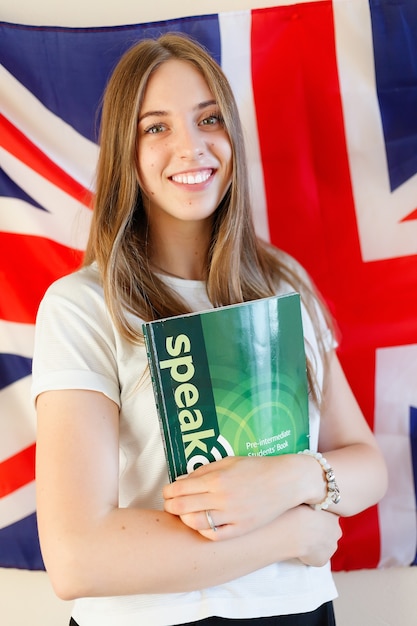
(176, 81)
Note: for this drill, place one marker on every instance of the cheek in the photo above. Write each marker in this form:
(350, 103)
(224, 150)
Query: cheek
(146, 165)
(226, 149)
(149, 160)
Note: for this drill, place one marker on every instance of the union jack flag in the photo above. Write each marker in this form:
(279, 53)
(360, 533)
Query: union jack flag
(327, 91)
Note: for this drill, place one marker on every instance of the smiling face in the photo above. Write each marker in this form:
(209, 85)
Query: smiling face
(184, 152)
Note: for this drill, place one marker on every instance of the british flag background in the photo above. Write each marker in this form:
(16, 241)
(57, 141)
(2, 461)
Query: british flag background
(327, 91)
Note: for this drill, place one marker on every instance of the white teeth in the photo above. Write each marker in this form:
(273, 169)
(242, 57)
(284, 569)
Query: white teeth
(192, 179)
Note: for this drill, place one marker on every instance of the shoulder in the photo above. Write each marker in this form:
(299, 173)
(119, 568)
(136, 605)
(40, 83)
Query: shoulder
(293, 276)
(86, 279)
(82, 289)
(79, 294)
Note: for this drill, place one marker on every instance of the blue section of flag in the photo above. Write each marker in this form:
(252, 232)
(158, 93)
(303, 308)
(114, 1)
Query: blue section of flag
(394, 29)
(9, 189)
(19, 545)
(52, 62)
(413, 440)
(12, 368)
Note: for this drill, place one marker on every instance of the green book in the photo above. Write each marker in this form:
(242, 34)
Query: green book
(230, 381)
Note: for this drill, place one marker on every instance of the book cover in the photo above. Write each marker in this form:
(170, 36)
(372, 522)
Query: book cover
(230, 381)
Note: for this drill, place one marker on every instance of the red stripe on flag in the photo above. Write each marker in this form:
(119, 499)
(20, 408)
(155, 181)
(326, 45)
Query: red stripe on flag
(15, 142)
(347, 557)
(307, 182)
(17, 471)
(410, 217)
(301, 130)
(28, 266)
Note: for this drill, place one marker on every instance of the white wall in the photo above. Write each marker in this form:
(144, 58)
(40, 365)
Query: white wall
(367, 598)
(99, 13)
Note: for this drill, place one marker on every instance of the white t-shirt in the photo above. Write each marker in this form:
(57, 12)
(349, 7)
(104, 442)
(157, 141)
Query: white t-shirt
(78, 347)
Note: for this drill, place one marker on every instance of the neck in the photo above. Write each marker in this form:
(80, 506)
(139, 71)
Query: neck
(183, 255)
(186, 273)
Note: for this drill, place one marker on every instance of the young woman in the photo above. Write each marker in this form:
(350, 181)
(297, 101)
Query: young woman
(172, 232)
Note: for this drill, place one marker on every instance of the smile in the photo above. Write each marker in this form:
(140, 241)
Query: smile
(192, 178)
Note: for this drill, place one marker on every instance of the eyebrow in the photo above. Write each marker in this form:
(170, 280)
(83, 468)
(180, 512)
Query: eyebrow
(161, 113)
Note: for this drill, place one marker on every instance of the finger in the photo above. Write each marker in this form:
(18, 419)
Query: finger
(184, 486)
(217, 535)
(225, 531)
(214, 466)
(203, 520)
(213, 527)
(196, 521)
(183, 505)
(210, 520)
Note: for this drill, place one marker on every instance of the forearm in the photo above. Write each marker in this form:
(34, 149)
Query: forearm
(361, 476)
(348, 444)
(133, 551)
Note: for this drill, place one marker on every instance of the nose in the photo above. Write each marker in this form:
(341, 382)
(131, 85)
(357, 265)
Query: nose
(190, 142)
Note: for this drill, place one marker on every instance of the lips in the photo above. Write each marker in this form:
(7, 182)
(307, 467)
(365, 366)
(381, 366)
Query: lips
(192, 178)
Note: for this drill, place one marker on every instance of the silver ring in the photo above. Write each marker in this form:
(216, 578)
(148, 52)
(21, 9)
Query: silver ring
(210, 521)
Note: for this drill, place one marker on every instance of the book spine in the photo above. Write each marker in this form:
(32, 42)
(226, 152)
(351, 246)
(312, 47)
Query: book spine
(159, 399)
(183, 385)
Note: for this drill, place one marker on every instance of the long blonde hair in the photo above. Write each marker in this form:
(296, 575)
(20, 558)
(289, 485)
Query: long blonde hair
(240, 266)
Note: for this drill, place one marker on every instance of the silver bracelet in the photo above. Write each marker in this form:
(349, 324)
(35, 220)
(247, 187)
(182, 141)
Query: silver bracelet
(333, 493)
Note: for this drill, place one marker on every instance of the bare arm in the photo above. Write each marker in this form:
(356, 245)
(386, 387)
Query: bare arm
(93, 548)
(350, 447)
(245, 493)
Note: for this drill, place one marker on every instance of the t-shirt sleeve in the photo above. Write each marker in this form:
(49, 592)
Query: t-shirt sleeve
(75, 344)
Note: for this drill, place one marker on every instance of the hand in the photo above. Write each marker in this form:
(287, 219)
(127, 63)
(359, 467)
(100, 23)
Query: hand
(317, 534)
(241, 493)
